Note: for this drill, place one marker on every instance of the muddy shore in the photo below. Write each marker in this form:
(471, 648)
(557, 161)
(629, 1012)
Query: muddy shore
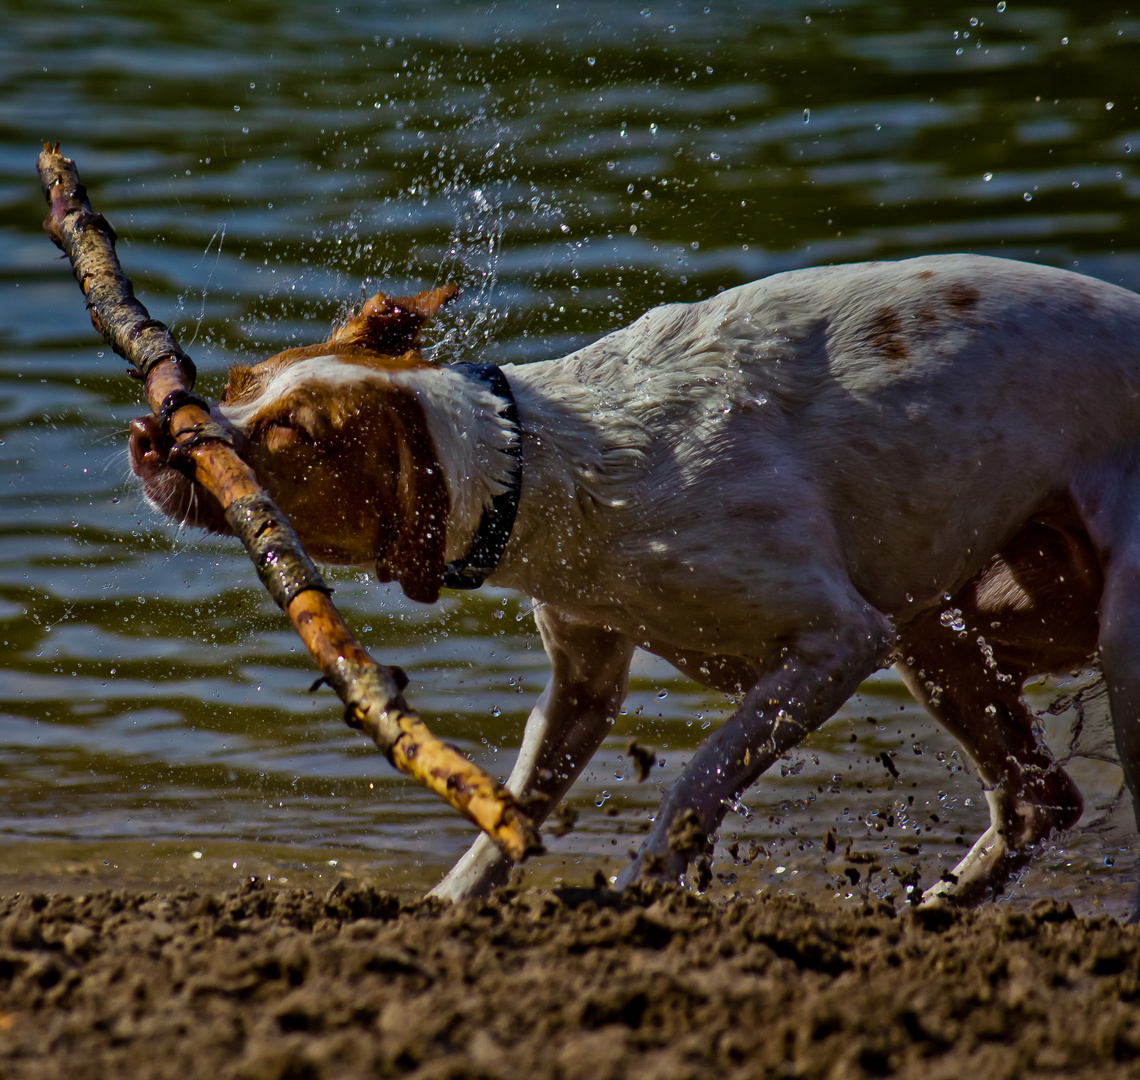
(269, 982)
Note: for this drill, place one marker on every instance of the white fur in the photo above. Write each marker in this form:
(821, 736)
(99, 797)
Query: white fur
(775, 487)
(765, 487)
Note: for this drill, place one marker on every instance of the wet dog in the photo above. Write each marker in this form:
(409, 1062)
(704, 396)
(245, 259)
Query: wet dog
(933, 463)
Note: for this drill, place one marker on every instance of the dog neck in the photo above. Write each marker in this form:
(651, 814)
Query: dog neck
(481, 559)
(477, 442)
(478, 446)
(583, 453)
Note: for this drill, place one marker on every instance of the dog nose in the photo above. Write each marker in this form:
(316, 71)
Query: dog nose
(149, 444)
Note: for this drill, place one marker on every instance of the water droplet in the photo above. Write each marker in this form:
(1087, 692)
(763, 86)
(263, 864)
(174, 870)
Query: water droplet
(1064, 41)
(987, 176)
(1108, 104)
(1027, 197)
(1076, 183)
(974, 21)
(1001, 6)
(714, 156)
(653, 129)
(807, 115)
(496, 711)
(952, 619)
(662, 694)
(591, 60)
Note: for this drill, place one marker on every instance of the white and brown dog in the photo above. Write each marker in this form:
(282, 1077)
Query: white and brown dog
(780, 490)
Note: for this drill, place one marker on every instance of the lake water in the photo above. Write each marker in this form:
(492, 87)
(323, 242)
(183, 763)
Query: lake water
(570, 166)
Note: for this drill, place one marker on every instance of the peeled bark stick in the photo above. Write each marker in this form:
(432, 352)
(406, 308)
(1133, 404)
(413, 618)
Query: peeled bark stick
(369, 690)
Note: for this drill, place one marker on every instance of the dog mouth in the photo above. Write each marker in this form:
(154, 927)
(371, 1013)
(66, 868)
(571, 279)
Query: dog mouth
(167, 480)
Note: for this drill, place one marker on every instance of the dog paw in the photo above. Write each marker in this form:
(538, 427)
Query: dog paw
(982, 874)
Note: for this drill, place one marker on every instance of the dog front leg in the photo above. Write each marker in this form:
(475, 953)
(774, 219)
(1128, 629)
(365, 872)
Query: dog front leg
(817, 674)
(568, 723)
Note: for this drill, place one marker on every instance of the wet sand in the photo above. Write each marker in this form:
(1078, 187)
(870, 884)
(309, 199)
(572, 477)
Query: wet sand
(277, 982)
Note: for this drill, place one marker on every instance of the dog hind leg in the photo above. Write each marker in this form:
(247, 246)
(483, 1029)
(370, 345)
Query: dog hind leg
(977, 697)
(1120, 661)
(1108, 499)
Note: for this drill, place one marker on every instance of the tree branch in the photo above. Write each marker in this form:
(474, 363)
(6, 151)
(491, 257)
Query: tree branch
(370, 691)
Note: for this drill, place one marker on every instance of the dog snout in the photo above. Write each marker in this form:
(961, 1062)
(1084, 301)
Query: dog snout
(150, 446)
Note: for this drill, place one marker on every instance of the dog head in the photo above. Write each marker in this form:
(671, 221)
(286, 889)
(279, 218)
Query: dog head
(338, 440)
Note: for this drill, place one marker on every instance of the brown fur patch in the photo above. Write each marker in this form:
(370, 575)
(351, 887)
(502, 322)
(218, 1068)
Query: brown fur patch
(961, 296)
(885, 337)
(355, 469)
(392, 325)
(242, 383)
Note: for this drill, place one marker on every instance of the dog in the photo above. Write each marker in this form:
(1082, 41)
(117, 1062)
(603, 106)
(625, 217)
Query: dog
(932, 463)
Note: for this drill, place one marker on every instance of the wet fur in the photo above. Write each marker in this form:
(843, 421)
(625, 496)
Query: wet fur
(774, 489)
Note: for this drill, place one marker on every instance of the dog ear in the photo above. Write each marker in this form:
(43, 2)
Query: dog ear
(391, 325)
(415, 554)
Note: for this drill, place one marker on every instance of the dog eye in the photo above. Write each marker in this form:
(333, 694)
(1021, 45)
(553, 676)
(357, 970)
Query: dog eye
(277, 437)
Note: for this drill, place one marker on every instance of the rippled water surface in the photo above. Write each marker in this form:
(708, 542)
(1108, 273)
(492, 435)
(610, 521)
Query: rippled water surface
(570, 165)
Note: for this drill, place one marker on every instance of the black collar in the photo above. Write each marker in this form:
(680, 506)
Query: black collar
(469, 571)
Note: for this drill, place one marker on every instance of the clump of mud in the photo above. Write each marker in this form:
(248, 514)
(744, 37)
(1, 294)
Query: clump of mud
(572, 983)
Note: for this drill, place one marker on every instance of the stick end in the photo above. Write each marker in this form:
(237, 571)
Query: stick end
(516, 834)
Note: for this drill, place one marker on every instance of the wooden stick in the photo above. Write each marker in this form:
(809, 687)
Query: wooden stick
(370, 691)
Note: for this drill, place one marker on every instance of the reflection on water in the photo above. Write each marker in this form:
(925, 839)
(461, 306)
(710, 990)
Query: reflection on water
(569, 168)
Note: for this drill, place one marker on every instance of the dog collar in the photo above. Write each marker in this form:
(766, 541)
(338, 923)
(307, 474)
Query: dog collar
(469, 571)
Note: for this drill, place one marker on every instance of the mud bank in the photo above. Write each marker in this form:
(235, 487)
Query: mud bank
(268, 982)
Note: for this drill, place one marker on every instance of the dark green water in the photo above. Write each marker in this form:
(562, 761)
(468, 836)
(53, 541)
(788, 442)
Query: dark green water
(570, 165)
